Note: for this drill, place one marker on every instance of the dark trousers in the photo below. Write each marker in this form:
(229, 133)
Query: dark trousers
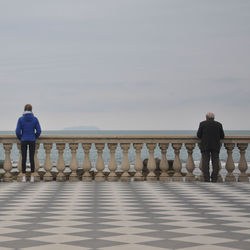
(24, 148)
(214, 155)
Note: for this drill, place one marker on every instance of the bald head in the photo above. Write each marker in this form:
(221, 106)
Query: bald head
(210, 116)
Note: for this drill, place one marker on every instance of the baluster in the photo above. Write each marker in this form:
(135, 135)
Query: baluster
(37, 164)
(190, 162)
(19, 165)
(177, 162)
(201, 177)
(100, 163)
(164, 163)
(125, 162)
(219, 173)
(7, 162)
(243, 163)
(86, 163)
(60, 163)
(220, 168)
(73, 163)
(48, 163)
(230, 163)
(112, 162)
(138, 162)
(151, 162)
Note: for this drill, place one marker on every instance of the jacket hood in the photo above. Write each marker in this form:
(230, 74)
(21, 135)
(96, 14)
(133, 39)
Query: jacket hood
(28, 116)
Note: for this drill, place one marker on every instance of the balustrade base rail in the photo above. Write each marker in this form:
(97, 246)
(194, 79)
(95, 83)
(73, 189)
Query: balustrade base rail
(149, 170)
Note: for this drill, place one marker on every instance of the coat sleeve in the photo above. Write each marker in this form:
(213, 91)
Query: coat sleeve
(19, 129)
(199, 132)
(38, 129)
(222, 135)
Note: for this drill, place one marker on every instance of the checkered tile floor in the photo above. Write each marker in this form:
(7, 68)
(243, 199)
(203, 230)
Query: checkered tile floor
(138, 215)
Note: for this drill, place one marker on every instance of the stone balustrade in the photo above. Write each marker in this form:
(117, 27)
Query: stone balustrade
(125, 142)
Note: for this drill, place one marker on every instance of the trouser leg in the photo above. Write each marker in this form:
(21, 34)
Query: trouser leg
(205, 165)
(32, 146)
(215, 163)
(24, 155)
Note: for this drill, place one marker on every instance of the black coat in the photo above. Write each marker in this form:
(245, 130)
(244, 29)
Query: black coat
(210, 132)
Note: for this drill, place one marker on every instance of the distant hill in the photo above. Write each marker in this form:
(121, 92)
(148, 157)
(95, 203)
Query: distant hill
(82, 128)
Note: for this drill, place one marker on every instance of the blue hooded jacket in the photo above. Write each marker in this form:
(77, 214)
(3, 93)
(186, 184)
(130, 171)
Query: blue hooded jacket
(28, 127)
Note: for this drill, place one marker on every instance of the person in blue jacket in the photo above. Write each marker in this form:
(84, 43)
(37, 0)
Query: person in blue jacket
(27, 131)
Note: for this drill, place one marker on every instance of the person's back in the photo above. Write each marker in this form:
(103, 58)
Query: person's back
(210, 132)
(28, 128)
(27, 131)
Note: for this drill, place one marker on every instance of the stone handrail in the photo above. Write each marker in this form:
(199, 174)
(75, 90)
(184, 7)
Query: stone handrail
(124, 138)
(230, 142)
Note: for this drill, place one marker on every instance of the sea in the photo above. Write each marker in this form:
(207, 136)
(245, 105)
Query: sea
(119, 156)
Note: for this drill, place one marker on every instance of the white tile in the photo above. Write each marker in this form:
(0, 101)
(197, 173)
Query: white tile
(203, 239)
(119, 207)
(123, 212)
(66, 217)
(181, 218)
(5, 238)
(195, 231)
(18, 211)
(13, 217)
(12, 223)
(59, 238)
(207, 247)
(247, 231)
(124, 217)
(55, 247)
(175, 212)
(67, 212)
(61, 230)
(224, 213)
(63, 223)
(7, 230)
(130, 238)
(127, 230)
(126, 223)
(5, 248)
(186, 224)
(132, 247)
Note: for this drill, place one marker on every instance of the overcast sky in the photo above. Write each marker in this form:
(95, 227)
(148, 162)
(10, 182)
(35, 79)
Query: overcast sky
(125, 64)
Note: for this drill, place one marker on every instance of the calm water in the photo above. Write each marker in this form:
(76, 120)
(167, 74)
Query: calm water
(118, 155)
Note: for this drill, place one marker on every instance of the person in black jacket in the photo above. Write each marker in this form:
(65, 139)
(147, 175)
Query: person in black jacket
(210, 132)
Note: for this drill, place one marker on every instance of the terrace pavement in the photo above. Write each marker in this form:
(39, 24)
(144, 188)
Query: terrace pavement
(119, 215)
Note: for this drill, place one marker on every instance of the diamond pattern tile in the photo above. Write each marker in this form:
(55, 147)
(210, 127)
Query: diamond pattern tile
(124, 216)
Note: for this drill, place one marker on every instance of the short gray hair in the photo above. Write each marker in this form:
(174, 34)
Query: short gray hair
(210, 115)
